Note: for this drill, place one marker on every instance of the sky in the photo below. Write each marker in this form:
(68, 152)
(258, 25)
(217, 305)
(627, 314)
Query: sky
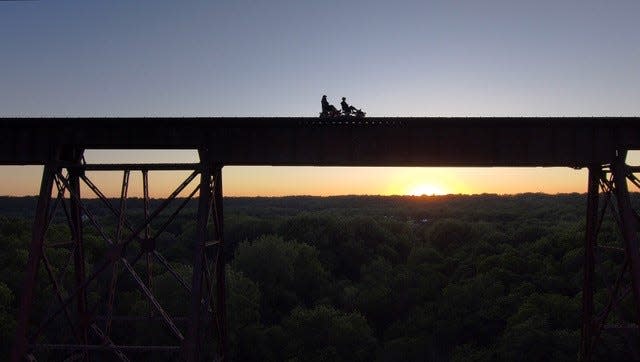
(276, 58)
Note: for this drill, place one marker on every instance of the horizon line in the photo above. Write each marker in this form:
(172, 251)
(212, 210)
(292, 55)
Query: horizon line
(344, 195)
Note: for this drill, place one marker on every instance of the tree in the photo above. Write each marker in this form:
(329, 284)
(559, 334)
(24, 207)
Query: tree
(325, 334)
(7, 319)
(287, 272)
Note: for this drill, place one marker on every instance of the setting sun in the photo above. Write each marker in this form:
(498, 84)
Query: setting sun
(426, 189)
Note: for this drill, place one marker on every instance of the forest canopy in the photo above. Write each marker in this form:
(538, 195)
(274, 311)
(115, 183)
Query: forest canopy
(361, 278)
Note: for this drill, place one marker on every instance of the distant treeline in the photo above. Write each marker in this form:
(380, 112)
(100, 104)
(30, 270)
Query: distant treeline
(361, 278)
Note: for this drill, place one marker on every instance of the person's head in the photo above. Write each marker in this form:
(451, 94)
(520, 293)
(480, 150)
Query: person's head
(344, 98)
(324, 96)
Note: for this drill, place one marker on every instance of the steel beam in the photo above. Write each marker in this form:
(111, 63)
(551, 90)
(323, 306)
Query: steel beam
(593, 195)
(220, 302)
(147, 236)
(31, 270)
(75, 215)
(192, 345)
(629, 229)
(377, 141)
(114, 267)
(78, 255)
(107, 347)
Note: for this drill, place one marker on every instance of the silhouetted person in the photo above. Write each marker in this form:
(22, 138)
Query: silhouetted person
(327, 109)
(346, 109)
(325, 104)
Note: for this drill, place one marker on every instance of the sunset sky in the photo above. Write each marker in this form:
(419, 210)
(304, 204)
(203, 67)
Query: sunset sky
(277, 58)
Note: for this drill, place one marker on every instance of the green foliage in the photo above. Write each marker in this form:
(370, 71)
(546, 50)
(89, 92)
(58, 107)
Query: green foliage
(450, 234)
(287, 273)
(243, 300)
(7, 319)
(460, 278)
(346, 243)
(325, 334)
(243, 308)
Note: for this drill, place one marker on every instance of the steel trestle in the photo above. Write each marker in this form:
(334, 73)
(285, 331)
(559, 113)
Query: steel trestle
(609, 206)
(83, 318)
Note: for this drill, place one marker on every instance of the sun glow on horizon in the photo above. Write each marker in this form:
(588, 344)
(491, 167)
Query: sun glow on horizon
(426, 189)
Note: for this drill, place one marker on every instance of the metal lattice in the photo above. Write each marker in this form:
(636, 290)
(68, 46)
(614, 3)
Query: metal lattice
(82, 318)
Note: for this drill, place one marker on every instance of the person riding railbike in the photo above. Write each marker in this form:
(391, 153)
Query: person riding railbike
(327, 109)
(349, 111)
(346, 108)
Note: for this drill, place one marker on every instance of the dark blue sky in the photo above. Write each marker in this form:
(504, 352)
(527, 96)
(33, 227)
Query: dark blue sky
(276, 58)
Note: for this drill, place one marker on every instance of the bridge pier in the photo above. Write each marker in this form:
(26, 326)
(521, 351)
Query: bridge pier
(79, 326)
(208, 265)
(31, 270)
(607, 182)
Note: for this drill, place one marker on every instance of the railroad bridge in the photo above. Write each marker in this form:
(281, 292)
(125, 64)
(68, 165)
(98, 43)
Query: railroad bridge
(597, 143)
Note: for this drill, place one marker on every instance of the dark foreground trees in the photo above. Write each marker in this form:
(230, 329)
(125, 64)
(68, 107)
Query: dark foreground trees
(376, 278)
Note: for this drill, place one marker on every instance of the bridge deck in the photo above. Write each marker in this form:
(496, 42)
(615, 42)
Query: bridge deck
(509, 141)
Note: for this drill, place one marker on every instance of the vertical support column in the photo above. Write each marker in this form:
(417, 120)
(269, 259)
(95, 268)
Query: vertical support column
(114, 267)
(595, 173)
(35, 254)
(221, 306)
(629, 228)
(75, 215)
(192, 342)
(147, 236)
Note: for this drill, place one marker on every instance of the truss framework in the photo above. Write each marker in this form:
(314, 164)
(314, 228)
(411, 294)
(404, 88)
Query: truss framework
(615, 294)
(81, 319)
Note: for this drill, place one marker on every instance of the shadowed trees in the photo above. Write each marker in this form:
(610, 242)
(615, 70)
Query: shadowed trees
(367, 278)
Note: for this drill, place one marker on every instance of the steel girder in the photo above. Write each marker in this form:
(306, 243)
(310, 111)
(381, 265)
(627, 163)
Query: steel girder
(611, 274)
(83, 315)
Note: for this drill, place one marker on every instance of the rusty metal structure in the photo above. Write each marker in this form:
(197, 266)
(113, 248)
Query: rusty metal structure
(608, 198)
(83, 319)
(90, 328)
